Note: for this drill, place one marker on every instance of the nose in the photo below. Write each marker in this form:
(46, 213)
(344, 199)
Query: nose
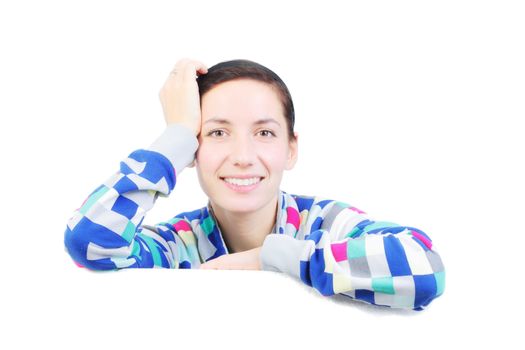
(243, 151)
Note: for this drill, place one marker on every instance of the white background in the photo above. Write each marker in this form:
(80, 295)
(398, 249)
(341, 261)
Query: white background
(408, 110)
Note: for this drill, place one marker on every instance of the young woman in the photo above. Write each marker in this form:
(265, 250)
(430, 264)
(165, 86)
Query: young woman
(234, 122)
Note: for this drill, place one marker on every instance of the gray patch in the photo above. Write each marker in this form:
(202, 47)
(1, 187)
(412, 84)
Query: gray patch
(435, 261)
(359, 267)
(151, 228)
(331, 216)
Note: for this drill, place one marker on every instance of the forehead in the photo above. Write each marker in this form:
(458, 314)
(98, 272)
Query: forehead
(242, 100)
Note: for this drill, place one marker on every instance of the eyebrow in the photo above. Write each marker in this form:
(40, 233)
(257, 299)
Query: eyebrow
(227, 122)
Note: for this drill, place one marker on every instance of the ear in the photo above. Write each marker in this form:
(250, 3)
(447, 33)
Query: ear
(293, 152)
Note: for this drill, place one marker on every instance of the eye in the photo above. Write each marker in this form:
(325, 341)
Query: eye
(214, 131)
(271, 132)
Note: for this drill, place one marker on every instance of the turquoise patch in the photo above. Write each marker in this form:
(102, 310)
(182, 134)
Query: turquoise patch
(343, 204)
(355, 248)
(152, 245)
(379, 224)
(93, 199)
(383, 285)
(129, 232)
(136, 250)
(207, 225)
(354, 232)
(440, 282)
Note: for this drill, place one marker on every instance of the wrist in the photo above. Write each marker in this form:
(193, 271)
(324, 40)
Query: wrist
(178, 143)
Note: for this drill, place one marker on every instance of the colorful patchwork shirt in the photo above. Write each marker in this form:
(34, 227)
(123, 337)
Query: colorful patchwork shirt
(328, 244)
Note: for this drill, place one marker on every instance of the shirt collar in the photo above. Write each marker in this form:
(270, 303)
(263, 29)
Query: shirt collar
(287, 218)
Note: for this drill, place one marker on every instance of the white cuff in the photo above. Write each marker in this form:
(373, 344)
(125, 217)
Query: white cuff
(283, 253)
(178, 143)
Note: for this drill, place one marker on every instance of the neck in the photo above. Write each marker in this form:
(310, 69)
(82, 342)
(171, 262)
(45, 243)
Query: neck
(245, 231)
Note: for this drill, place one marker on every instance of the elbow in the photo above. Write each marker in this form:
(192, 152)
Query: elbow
(428, 272)
(76, 247)
(426, 294)
(428, 288)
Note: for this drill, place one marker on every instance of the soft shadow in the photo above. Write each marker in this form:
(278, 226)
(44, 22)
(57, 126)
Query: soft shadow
(345, 301)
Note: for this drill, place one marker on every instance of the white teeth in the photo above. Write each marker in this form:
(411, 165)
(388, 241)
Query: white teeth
(242, 182)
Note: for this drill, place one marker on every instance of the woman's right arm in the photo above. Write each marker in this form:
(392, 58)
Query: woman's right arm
(106, 232)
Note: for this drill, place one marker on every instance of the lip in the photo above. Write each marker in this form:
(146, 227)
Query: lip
(249, 176)
(242, 189)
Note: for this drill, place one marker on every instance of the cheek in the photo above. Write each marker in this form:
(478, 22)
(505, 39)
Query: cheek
(205, 159)
(273, 157)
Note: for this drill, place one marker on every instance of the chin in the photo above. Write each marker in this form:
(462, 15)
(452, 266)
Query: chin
(240, 205)
(238, 202)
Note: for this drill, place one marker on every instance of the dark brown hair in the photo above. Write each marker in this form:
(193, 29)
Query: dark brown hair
(246, 69)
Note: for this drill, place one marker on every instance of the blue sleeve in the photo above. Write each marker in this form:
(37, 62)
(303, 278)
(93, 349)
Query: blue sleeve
(106, 232)
(377, 262)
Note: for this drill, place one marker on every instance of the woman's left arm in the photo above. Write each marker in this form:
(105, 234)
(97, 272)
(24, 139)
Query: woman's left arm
(377, 262)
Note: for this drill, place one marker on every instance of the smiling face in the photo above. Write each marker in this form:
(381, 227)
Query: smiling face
(243, 132)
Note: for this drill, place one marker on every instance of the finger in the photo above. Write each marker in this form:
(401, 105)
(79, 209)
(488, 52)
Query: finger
(186, 69)
(196, 64)
(208, 265)
(192, 69)
(177, 72)
(202, 69)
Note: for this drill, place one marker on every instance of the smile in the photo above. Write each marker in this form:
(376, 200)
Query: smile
(242, 185)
